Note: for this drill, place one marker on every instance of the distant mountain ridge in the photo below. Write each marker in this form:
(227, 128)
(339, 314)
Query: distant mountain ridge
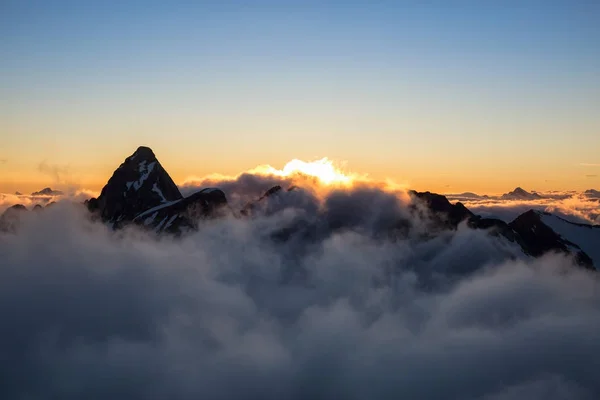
(592, 193)
(48, 192)
(520, 194)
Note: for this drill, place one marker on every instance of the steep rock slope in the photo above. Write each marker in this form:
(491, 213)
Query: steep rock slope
(539, 238)
(141, 192)
(585, 237)
(140, 183)
(175, 216)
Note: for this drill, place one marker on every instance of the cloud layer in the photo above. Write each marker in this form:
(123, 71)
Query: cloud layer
(575, 207)
(230, 313)
(29, 201)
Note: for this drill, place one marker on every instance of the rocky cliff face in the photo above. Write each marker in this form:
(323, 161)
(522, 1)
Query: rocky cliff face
(141, 192)
(179, 215)
(140, 183)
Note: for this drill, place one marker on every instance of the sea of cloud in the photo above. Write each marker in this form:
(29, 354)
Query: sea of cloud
(230, 313)
(7, 199)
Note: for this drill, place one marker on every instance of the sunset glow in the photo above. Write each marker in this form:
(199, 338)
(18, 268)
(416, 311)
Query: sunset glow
(299, 199)
(324, 170)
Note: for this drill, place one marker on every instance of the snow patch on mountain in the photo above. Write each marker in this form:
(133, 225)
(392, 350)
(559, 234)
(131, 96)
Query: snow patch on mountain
(157, 190)
(153, 209)
(145, 171)
(587, 237)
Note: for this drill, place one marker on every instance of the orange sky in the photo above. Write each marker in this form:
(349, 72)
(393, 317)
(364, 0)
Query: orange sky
(420, 174)
(441, 98)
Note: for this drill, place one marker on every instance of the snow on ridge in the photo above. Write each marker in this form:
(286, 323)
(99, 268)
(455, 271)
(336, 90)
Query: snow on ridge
(149, 220)
(145, 172)
(137, 185)
(162, 222)
(157, 190)
(587, 237)
(170, 221)
(159, 207)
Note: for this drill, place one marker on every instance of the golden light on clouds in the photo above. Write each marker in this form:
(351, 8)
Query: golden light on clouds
(323, 170)
(319, 176)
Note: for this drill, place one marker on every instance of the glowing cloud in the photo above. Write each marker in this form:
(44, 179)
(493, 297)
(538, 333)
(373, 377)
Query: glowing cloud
(323, 170)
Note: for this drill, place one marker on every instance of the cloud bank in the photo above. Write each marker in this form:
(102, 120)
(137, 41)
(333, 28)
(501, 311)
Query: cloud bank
(230, 313)
(575, 207)
(30, 201)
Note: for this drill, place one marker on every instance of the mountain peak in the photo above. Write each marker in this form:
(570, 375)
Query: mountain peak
(47, 192)
(140, 183)
(143, 152)
(520, 194)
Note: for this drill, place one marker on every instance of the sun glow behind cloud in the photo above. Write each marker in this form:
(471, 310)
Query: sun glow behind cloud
(319, 176)
(323, 170)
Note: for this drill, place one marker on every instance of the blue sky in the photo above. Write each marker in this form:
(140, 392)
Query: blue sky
(435, 94)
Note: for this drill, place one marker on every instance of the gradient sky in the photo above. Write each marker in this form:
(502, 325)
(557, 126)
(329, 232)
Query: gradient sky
(449, 96)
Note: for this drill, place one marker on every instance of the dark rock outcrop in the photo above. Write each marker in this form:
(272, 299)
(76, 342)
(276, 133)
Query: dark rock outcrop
(177, 216)
(443, 213)
(250, 207)
(533, 236)
(141, 192)
(592, 194)
(47, 192)
(139, 184)
(539, 239)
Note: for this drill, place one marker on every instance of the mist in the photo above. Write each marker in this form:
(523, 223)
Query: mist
(228, 312)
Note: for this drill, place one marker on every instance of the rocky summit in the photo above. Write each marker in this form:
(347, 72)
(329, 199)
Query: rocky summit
(139, 184)
(47, 192)
(141, 192)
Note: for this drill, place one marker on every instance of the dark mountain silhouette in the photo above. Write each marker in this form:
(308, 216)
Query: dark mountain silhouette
(451, 215)
(47, 192)
(592, 193)
(520, 194)
(442, 211)
(140, 183)
(534, 236)
(467, 196)
(250, 208)
(173, 217)
(140, 191)
(538, 238)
